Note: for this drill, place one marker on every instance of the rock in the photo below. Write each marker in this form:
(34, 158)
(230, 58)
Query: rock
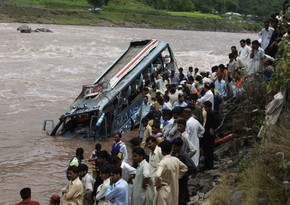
(200, 194)
(237, 198)
(24, 29)
(207, 194)
(43, 30)
(194, 199)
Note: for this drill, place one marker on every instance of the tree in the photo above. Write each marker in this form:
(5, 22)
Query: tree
(98, 3)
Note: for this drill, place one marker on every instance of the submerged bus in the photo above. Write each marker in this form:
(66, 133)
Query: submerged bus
(111, 102)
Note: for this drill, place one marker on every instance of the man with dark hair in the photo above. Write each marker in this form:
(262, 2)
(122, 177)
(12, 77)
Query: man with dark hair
(265, 34)
(25, 194)
(272, 47)
(244, 52)
(188, 146)
(257, 56)
(177, 144)
(73, 192)
(105, 173)
(119, 148)
(196, 109)
(195, 131)
(155, 154)
(88, 184)
(76, 160)
(117, 192)
(143, 188)
(207, 142)
(169, 170)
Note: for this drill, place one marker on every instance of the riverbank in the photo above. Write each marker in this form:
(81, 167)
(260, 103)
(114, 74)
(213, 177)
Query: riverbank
(112, 16)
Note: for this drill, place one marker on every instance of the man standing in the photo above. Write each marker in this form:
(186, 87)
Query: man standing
(257, 56)
(76, 160)
(208, 95)
(119, 148)
(265, 35)
(142, 112)
(88, 184)
(25, 194)
(143, 188)
(244, 52)
(195, 131)
(72, 193)
(221, 86)
(177, 145)
(117, 192)
(155, 154)
(169, 170)
(207, 141)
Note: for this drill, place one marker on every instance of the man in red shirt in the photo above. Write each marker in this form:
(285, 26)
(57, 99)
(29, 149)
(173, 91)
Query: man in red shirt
(25, 194)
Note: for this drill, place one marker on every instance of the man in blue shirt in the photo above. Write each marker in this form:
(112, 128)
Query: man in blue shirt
(117, 192)
(221, 86)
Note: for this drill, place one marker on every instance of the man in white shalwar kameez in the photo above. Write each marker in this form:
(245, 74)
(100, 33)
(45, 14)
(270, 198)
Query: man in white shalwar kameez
(195, 130)
(143, 189)
(169, 170)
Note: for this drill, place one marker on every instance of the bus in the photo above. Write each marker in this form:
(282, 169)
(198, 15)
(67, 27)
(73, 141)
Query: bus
(110, 104)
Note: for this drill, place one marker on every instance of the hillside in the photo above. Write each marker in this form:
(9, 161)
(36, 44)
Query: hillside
(130, 13)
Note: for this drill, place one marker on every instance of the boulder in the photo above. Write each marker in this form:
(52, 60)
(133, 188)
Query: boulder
(24, 29)
(237, 198)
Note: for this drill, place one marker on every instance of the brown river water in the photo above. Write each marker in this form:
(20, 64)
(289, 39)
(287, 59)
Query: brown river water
(41, 75)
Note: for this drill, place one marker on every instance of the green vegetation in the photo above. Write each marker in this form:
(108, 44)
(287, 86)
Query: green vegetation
(129, 13)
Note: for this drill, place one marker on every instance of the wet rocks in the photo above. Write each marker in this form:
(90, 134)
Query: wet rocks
(27, 29)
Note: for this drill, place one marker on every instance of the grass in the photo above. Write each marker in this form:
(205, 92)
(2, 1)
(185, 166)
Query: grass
(194, 15)
(265, 171)
(130, 13)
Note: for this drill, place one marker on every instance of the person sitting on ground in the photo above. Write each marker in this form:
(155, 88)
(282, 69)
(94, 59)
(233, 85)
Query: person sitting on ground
(73, 192)
(54, 199)
(25, 194)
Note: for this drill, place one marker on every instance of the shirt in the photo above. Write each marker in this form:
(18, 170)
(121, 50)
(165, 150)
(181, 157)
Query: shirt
(169, 170)
(118, 193)
(154, 159)
(101, 193)
(265, 35)
(139, 195)
(221, 86)
(73, 193)
(28, 202)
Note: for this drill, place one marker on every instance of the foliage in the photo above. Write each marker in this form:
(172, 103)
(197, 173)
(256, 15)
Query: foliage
(263, 9)
(98, 3)
(172, 5)
(194, 14)
(281, 77)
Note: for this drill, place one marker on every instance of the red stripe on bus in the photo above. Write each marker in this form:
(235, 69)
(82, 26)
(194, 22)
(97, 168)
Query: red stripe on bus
(135, 59)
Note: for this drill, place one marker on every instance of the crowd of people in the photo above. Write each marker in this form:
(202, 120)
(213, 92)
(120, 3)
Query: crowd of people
(179, 117)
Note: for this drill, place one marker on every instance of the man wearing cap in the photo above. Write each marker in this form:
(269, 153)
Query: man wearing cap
(54, 199)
